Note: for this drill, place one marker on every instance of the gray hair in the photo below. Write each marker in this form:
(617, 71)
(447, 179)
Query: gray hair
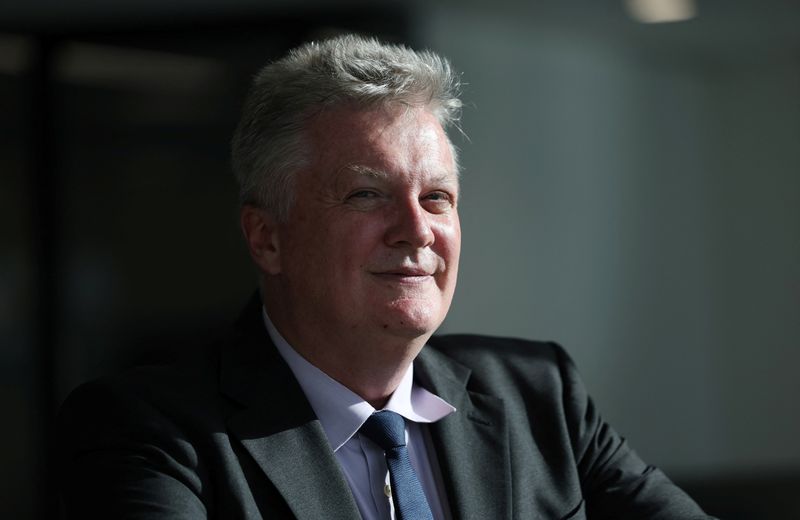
(269, 145)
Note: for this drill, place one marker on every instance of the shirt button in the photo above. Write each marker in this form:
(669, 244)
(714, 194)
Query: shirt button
(387, 490)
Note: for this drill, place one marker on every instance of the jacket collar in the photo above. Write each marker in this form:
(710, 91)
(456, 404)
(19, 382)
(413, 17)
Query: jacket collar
(277, 426)
(472, 445)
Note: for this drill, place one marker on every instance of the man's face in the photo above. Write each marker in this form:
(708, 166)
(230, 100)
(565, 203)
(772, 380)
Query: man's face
(372, 241)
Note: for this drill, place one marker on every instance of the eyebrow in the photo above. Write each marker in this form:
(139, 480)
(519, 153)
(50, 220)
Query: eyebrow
(373, 173)
(366, 171)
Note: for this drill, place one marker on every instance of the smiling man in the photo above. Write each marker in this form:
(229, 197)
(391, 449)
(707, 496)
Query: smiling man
(368, 253)
(331, 399)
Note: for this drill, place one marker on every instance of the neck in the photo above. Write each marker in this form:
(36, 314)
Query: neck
(369, 363)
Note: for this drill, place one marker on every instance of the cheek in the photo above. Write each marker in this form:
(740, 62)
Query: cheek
(306, 245)
(362, 237)
(449, 241)
(448, 248)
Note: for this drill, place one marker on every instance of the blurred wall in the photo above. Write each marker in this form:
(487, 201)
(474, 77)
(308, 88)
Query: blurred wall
(633, 192)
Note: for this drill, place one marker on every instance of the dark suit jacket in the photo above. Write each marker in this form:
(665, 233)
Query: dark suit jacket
(229, 434)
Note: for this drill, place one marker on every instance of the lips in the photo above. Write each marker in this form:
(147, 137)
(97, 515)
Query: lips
(408, 268)
(406, 272)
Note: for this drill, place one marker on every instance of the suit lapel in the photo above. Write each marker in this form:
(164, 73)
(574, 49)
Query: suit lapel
(277, 426)
(472, 444)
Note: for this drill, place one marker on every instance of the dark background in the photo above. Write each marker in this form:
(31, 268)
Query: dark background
(630, 190)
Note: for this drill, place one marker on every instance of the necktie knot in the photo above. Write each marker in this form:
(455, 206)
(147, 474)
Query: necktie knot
(386, 429)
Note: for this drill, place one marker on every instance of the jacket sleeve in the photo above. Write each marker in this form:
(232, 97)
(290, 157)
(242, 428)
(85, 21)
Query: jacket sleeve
(615, 482)
(121, 458)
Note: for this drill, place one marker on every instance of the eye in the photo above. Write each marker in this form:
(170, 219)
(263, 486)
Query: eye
(362, 194)
(438, 201)
(438, 196)
(364, 199)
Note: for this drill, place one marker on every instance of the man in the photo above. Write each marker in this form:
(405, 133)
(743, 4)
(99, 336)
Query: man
(330, 399)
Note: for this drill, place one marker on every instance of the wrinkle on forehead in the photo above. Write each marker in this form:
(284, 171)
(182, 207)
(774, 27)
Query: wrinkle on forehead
(376, 142)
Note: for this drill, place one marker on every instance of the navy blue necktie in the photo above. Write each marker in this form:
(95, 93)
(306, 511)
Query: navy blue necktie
(387, 430)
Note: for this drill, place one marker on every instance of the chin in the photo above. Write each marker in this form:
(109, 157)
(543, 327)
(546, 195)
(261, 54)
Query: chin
(411, 321)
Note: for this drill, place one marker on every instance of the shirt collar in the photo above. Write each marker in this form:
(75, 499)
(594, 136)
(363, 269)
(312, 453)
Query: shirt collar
(340, 410)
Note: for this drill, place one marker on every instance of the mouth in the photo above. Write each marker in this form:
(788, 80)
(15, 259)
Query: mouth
(406, 275)
(407, 272)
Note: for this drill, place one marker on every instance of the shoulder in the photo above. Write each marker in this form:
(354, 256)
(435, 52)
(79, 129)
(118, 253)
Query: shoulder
(492, 353)
(142, 440)
(510, 366)
(175, 396)
(476, 345)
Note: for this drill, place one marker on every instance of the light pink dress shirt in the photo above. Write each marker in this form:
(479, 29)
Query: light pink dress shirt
(342, 413)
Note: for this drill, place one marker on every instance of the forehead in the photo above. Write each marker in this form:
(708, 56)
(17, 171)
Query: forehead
(395, 139)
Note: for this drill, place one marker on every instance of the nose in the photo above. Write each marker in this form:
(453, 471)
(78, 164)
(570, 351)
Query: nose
(410, 226)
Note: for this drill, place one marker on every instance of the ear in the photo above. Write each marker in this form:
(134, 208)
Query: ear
(261, 235)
